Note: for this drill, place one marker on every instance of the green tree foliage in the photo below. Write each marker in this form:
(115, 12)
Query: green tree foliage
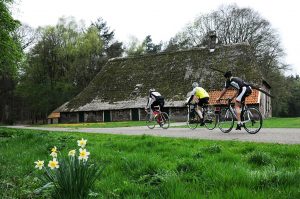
(135, 47)
(293, 99)
(62, 62)
(10, 55)
(112, 48)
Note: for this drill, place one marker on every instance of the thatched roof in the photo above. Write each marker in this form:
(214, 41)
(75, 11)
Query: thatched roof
(124, 82)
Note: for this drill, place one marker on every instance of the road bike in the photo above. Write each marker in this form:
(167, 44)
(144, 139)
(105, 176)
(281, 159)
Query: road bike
(251, 117)
(157, 118)
(209, 117)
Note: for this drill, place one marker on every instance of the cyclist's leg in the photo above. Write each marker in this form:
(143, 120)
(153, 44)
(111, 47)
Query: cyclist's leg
(237, 105)
(161, 103)
(199, 107)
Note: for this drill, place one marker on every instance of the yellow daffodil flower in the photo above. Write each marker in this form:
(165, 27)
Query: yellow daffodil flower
(54, 149)
(39, 164)
(53, 164)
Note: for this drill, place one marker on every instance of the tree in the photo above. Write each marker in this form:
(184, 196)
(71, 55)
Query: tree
(112, 48)
(135, 47)
(10, 55)
(150, 47)
(294, 98)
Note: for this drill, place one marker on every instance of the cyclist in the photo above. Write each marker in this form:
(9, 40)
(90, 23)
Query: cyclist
(201, 97)
(243, 91)
(155, 99)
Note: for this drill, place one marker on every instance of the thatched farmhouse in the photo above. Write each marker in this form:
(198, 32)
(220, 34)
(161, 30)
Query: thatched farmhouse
(119, 91)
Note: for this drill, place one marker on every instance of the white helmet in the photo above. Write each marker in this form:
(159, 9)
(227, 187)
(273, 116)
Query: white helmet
(195, 84)
(151, 90)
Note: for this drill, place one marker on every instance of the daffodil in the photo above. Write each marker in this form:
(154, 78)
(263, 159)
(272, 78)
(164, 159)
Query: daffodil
(81, 143)
(83, 154)
(39, 164)
(53, 164)
(54, 149)
(53, 154)
(72, 153)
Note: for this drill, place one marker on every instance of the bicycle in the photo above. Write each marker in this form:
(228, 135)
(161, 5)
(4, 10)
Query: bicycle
(251, 118)
(209, 117)
(161, 118)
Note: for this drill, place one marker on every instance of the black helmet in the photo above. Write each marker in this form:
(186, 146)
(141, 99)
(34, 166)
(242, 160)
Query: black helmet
(228, 74)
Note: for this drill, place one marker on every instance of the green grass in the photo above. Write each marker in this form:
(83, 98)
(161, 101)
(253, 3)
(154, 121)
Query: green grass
(156, 167)
(97, 125)
(276, 122)
(267, 123)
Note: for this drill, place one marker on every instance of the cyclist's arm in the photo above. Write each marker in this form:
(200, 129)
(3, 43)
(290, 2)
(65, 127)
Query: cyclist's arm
(222, 93)
(235, 94)
(149, 102)
(190, 99)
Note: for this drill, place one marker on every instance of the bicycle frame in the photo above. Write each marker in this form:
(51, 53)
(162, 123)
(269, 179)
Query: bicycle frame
(233, 111)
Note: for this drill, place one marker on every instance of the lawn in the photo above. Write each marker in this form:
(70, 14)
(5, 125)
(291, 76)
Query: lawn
(267, 123)
(156, 167)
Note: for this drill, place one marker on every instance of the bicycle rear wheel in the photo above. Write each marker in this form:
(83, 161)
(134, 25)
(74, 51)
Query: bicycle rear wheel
(192, 122)
(252, 120)
(165, 121)
(150, 121)
(226, 121)
(210, 119)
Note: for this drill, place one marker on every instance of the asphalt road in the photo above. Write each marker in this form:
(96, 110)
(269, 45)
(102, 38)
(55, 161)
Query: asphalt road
(268, 135)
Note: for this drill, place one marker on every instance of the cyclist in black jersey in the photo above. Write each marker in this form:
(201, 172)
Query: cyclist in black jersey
(243, 90)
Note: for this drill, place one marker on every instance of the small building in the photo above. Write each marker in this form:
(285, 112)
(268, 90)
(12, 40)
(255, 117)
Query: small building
(54, 118)
(119, 91)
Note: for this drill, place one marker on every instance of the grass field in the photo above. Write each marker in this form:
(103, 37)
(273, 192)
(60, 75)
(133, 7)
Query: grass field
(267, 123)
(155, 167)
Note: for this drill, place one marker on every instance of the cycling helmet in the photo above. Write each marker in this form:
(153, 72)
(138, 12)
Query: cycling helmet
(151, 90)
(228, 74)
(195, 84)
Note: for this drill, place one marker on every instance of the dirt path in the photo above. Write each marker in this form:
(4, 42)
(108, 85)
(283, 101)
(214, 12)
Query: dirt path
(270, 135)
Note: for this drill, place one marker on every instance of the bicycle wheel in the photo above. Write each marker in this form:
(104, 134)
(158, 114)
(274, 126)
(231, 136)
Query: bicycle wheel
(210, 119)
(150, 121)
(252, 120)
(165, 121)
(226, 121)
(192, 122)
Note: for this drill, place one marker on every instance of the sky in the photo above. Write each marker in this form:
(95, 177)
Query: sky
(161, 19)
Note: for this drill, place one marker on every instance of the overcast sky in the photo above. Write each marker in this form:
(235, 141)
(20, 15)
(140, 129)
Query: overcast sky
(161, 19)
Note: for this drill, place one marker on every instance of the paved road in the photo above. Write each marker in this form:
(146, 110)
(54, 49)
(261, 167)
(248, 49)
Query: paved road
(270, 135)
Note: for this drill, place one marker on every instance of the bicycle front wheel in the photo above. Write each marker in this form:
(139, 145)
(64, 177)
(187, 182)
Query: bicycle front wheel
(226, 120)
(150, 121)
(165, 121)
(252, 120)
(210, 119)
(192, 122)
